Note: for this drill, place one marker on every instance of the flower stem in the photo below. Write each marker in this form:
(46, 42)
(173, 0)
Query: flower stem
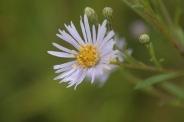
(109, 25)
(153, 57)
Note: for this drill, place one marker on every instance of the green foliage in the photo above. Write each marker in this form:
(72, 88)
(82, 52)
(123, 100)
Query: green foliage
(174, 90)
(156, 13)
(157, 79)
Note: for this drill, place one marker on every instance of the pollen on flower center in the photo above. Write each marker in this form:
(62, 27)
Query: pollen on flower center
(88, 56)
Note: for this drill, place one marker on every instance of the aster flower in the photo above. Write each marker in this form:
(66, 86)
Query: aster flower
(92, 54)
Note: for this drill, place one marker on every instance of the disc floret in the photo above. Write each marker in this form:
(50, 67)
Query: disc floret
(88, 56)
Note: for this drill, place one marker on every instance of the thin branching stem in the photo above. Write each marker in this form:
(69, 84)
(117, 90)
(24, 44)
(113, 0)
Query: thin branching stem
(153, 57)
(149, 68)
(153, 20)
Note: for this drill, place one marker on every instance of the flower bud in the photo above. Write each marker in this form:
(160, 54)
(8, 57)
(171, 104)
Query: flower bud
(91, 14)
(144, 39)
(107, 12)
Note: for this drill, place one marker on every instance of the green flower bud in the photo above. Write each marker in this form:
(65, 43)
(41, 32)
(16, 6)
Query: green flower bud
(144, 39)
(107, 12)
(92, 16)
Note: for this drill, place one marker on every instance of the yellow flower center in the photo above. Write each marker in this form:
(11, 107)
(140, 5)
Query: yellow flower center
(88, 56)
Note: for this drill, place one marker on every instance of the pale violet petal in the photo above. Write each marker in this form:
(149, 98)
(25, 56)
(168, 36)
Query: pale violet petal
(105, 61)
(108, 37)
(78, 37)
(72, 30)
(99, 68)
(81, 79)
(94, 35)
(71, 77)
(65, 36)
(93, 75)
(68, 78)
(65, 64)
(64, 69)
(61, 54)
(108, 44)
(88, 32)
(65, 74)
(102, 31)
(64, 49)
(75, 80)
(83, 31)
(106, 66)
(105, 51)
(98, 34)
(111, 54)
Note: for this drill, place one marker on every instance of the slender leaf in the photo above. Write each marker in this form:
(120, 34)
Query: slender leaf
(175, 90)
(180, 35)
(137, 6)
(157, 79)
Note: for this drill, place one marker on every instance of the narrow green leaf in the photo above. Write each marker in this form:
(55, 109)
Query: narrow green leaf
(175, 90)
(157, 79)
(137, 6)
(180, 35)
(179, 11)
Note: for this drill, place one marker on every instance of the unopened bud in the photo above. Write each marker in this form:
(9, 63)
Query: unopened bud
(91, 14)
(108, 12)
(144, 39)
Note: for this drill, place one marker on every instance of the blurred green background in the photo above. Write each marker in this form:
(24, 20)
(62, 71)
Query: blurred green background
(28, 92)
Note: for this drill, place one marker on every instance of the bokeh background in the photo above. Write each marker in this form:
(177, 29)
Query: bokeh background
(28, 92)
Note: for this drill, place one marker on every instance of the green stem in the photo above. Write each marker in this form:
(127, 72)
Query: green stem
(148, 68)
(173, 89)
(153, 57)
(109, 25)
(165, 13)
